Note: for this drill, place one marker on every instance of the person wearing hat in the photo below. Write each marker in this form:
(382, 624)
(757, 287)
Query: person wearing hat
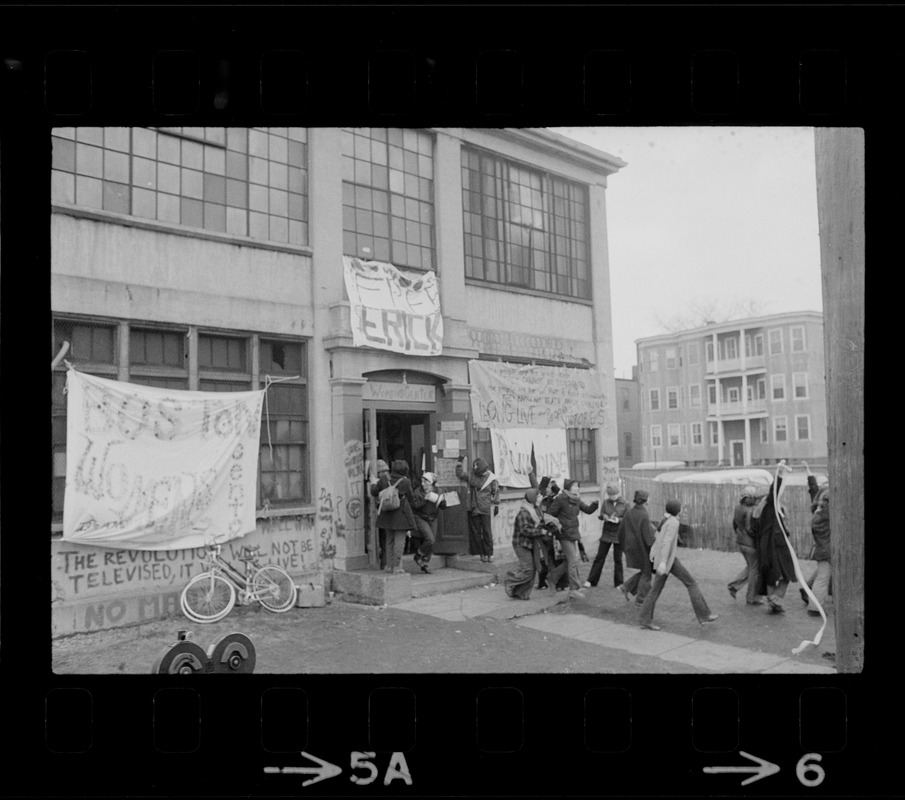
(482, 504)
(776, 568)
(527, 529)
(614, 508)
(396, 522)
(566, 507)
(663, 558)
(383, 474)
(636, 536)
(741, 524)
(426, 504)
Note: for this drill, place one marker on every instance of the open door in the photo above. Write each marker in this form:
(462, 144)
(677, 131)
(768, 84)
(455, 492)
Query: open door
(452, 529)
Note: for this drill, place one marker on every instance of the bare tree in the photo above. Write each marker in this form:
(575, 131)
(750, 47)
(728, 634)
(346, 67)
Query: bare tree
(708, 310)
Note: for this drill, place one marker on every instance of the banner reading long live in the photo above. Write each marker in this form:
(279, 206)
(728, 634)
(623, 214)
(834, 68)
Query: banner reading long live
(158, 469)
(511, 396)
(392, 310)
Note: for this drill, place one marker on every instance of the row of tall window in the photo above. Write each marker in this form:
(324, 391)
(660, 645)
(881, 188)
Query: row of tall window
(675, 396)
(680, 434)
(523, 227)
(188, 357)
(727, 348)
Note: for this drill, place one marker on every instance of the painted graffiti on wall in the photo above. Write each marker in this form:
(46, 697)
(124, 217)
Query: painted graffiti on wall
(83, 572)
(609, 473)
(326, 523)
(353, 461)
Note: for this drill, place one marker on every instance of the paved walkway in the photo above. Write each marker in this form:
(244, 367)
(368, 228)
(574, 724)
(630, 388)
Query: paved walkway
(491, 602)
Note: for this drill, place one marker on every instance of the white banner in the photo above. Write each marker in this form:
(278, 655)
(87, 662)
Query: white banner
(158, 469)
(512, 454)
(393, 310)
(516, 396)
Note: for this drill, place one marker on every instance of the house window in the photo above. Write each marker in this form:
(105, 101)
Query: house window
(776, 342)
(802, 427)
(780, 430)
(754, 345)
(627, 444)
(694, 395)
(673, 431)
(731, 347)
(388, 195)
(160, 357)
(708, 351)
(800, 385)
(692, 353)
(524, 227)
(242, 181)
(697, 433)
(733, 394)
(653, 360)
(714, 433)
(626, 400)
(656, 436)
(654, 399)
(671, 358)
(672, 397)
(761, 390)
(778, 387)
(711, 393)
(796, 336)
(582, 455)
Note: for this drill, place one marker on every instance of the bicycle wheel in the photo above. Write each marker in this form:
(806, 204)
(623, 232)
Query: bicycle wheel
(273, 588)
(207, 598)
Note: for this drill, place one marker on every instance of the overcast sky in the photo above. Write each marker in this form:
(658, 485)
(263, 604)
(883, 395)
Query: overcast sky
(712, 215)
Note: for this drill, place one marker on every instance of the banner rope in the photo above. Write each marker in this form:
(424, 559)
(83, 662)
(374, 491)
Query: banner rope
(798, 573)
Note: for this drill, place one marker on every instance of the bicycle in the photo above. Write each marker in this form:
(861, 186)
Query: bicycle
(211, 595)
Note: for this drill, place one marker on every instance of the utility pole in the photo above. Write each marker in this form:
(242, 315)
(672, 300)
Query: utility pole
(840, 213)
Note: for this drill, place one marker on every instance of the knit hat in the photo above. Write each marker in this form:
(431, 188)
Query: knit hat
(641, 497)
(748, 491)
(612, 491)
(382, 466)
(568, 483)
(430, 477)
(673, 506)
(531, 496)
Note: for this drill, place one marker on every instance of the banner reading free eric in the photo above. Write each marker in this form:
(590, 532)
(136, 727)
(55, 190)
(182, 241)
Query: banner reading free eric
(515, 396)
(158, 469)
(392, 310)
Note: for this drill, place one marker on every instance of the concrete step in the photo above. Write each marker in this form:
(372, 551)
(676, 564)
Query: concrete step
(445, 581)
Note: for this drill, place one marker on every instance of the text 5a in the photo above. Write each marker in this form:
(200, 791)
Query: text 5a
(364, 770)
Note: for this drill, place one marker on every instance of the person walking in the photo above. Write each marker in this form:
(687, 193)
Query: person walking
(427, 504)
(527, 528)
(483, 503)
(614, 508)
(383, 472)
(566, 507)
(775, 569)
(823, 552)
(663, 557)
(399, 521)
(741, 524)
(547, 550)
(636, 537)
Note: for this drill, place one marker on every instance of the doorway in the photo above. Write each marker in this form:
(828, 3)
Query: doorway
(738, 452)
(404, 436)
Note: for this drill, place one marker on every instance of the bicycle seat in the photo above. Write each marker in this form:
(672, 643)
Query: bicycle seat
(250, 553)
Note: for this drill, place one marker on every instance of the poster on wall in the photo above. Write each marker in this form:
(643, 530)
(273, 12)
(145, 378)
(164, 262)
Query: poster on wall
(393, 310)
(526, 396)
(512, 455)
(158, 469)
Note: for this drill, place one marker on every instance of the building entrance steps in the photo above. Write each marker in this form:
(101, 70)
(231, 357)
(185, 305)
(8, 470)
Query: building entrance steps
(376, 587)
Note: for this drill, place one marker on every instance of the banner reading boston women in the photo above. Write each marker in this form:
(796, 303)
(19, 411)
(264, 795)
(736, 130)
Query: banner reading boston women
(158, 469)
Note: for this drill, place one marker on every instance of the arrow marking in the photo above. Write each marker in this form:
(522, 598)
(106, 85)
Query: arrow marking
(763, 769)
(321, 772)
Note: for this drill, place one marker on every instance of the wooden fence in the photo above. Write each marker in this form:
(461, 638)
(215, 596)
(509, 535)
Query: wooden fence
(708, 509)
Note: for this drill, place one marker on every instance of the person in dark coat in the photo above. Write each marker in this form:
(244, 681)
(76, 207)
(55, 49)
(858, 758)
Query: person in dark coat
(820, 581)
(383, 471)
(519, 581)
(777, 569)
(741, 524)
(397, 522)
(566, 507)
(614, 508)
(636, 535)
(482, 504)
(545, 546)
(427, 504)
